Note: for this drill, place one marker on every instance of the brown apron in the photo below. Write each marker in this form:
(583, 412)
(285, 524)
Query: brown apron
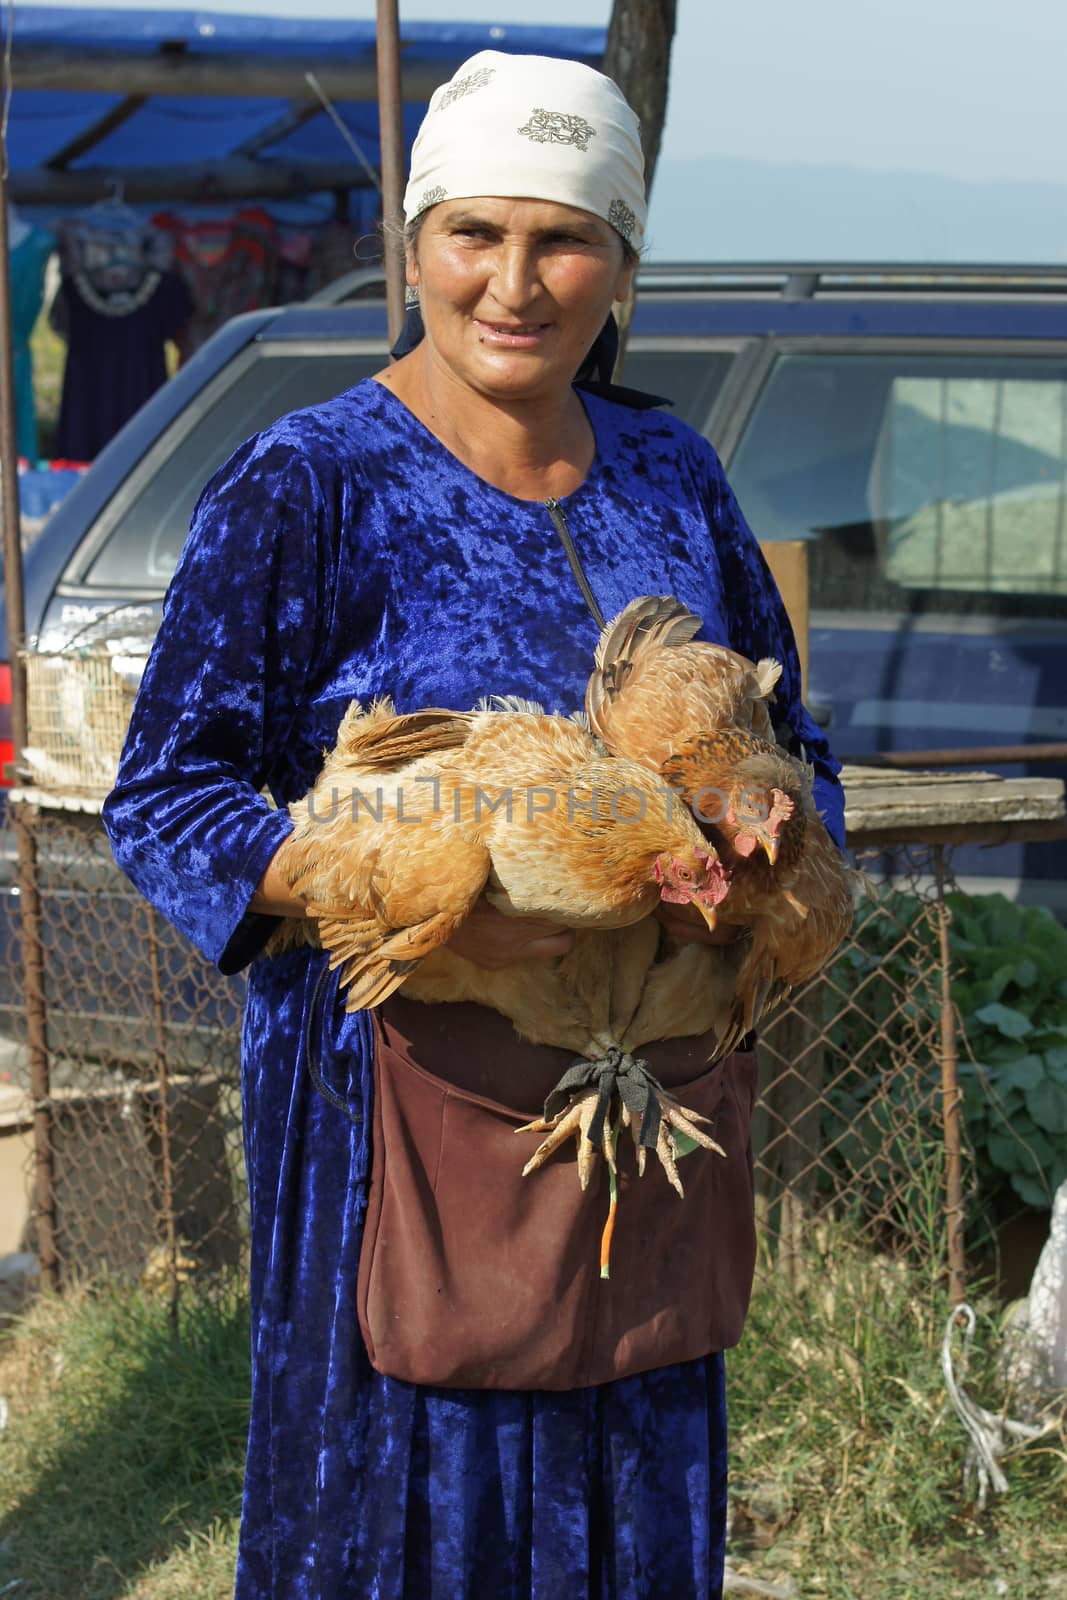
(472, 1276)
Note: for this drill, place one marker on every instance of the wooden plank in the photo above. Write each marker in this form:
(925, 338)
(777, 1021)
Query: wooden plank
(884, 806)
(234, 179)
(860, 779)
(229, 73)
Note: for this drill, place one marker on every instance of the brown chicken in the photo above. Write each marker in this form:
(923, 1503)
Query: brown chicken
(697, 713)
(414, 817)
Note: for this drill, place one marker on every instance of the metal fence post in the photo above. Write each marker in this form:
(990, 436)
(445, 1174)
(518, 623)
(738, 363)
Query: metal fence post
(163, 1085)
(391, 131)
(951, 1098)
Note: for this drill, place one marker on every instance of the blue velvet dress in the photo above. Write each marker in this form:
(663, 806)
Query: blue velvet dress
(346, 553)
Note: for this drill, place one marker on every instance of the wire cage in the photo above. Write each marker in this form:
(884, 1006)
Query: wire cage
(78, 708)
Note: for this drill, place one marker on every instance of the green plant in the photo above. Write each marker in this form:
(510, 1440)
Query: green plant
(1009, 988)
(847, 1465)
(1011, 994)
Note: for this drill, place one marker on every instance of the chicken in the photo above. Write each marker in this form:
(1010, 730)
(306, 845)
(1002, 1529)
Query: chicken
(790, 889)
(585, 1002)
(697, 714)
(414, 817)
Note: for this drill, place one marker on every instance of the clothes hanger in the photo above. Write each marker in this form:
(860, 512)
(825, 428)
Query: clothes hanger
(113, 212)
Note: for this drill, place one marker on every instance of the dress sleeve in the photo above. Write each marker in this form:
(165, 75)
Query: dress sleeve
(760, 627)
(219, 695)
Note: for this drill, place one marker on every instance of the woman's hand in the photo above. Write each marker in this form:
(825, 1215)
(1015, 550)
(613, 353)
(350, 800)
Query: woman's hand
(686, 926)
(274, 896)
(492, 940)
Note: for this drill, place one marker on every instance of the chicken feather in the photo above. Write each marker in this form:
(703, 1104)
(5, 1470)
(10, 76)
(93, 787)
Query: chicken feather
(414, 817)
(653, 686)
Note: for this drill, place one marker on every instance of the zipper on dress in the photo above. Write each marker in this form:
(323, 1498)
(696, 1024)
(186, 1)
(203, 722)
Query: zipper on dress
(559, 522)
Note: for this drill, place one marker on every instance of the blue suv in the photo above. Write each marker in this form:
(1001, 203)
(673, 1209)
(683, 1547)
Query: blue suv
(908, 423)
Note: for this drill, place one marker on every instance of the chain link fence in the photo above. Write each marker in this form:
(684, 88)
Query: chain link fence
(858, 1121)
(131, 1159)
(130, 1162)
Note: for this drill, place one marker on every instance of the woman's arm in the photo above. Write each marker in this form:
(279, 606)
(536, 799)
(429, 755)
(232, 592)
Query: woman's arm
(220, 695)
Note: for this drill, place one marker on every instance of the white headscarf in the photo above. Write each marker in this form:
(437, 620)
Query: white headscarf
(536, 128)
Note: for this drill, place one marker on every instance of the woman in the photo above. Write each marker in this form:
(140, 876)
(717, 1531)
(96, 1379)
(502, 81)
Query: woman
(406, 539)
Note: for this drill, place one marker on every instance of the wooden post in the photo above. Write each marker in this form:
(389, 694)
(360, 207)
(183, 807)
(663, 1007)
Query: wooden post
(788, 561)
(637, 56)
(951, 1097)
(391, 127)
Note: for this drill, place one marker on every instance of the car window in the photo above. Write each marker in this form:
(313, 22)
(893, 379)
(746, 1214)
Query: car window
(691, 378)
(143, 547)
(921, 482)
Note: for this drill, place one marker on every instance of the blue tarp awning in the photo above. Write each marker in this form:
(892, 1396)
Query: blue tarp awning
(179, 103)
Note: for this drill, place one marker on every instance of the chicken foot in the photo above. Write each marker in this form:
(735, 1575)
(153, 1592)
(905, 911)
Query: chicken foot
(580, 1107)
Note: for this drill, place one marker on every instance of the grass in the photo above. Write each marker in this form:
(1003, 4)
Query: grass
(846, 1462)
(120, 1469)
(124, 1453)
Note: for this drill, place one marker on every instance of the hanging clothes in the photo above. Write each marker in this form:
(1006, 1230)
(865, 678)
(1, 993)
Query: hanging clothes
(229, 264)
(118, 304)
(29, 250)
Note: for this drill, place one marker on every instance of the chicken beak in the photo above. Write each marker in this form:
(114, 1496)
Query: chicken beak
(769, 846)
(708, 913)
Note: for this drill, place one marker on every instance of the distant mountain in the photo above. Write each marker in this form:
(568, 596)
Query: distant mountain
(720, 210)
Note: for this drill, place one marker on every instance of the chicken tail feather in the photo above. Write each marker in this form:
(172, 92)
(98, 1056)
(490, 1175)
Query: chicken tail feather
(652, 622)
(382, 740)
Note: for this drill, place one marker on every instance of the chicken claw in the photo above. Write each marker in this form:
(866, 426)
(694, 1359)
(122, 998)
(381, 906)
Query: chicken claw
(685, 1121)
(640, 1150)
(668, 1153)
(673, 1117)
(575, 1122)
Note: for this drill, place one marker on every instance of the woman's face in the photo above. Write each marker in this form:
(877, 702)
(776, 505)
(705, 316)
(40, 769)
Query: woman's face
(513, 292)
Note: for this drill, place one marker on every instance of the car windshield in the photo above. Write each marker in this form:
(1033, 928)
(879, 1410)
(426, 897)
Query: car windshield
(146, 525)
(152, 521)
(920, 483)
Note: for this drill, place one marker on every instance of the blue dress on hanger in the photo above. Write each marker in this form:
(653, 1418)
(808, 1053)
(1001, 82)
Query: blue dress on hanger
(346, 553)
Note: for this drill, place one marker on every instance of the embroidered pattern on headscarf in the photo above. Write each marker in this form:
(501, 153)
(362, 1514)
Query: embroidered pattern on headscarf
(467, 85)
(557, 127)
(621, 217)
(431, 197)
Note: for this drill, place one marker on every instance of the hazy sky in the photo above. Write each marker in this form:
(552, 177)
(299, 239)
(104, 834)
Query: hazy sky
(966, 89)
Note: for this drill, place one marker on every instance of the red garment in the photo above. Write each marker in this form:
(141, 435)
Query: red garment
(229, 263)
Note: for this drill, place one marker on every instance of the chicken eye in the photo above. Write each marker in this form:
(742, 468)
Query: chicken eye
(685, 874)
